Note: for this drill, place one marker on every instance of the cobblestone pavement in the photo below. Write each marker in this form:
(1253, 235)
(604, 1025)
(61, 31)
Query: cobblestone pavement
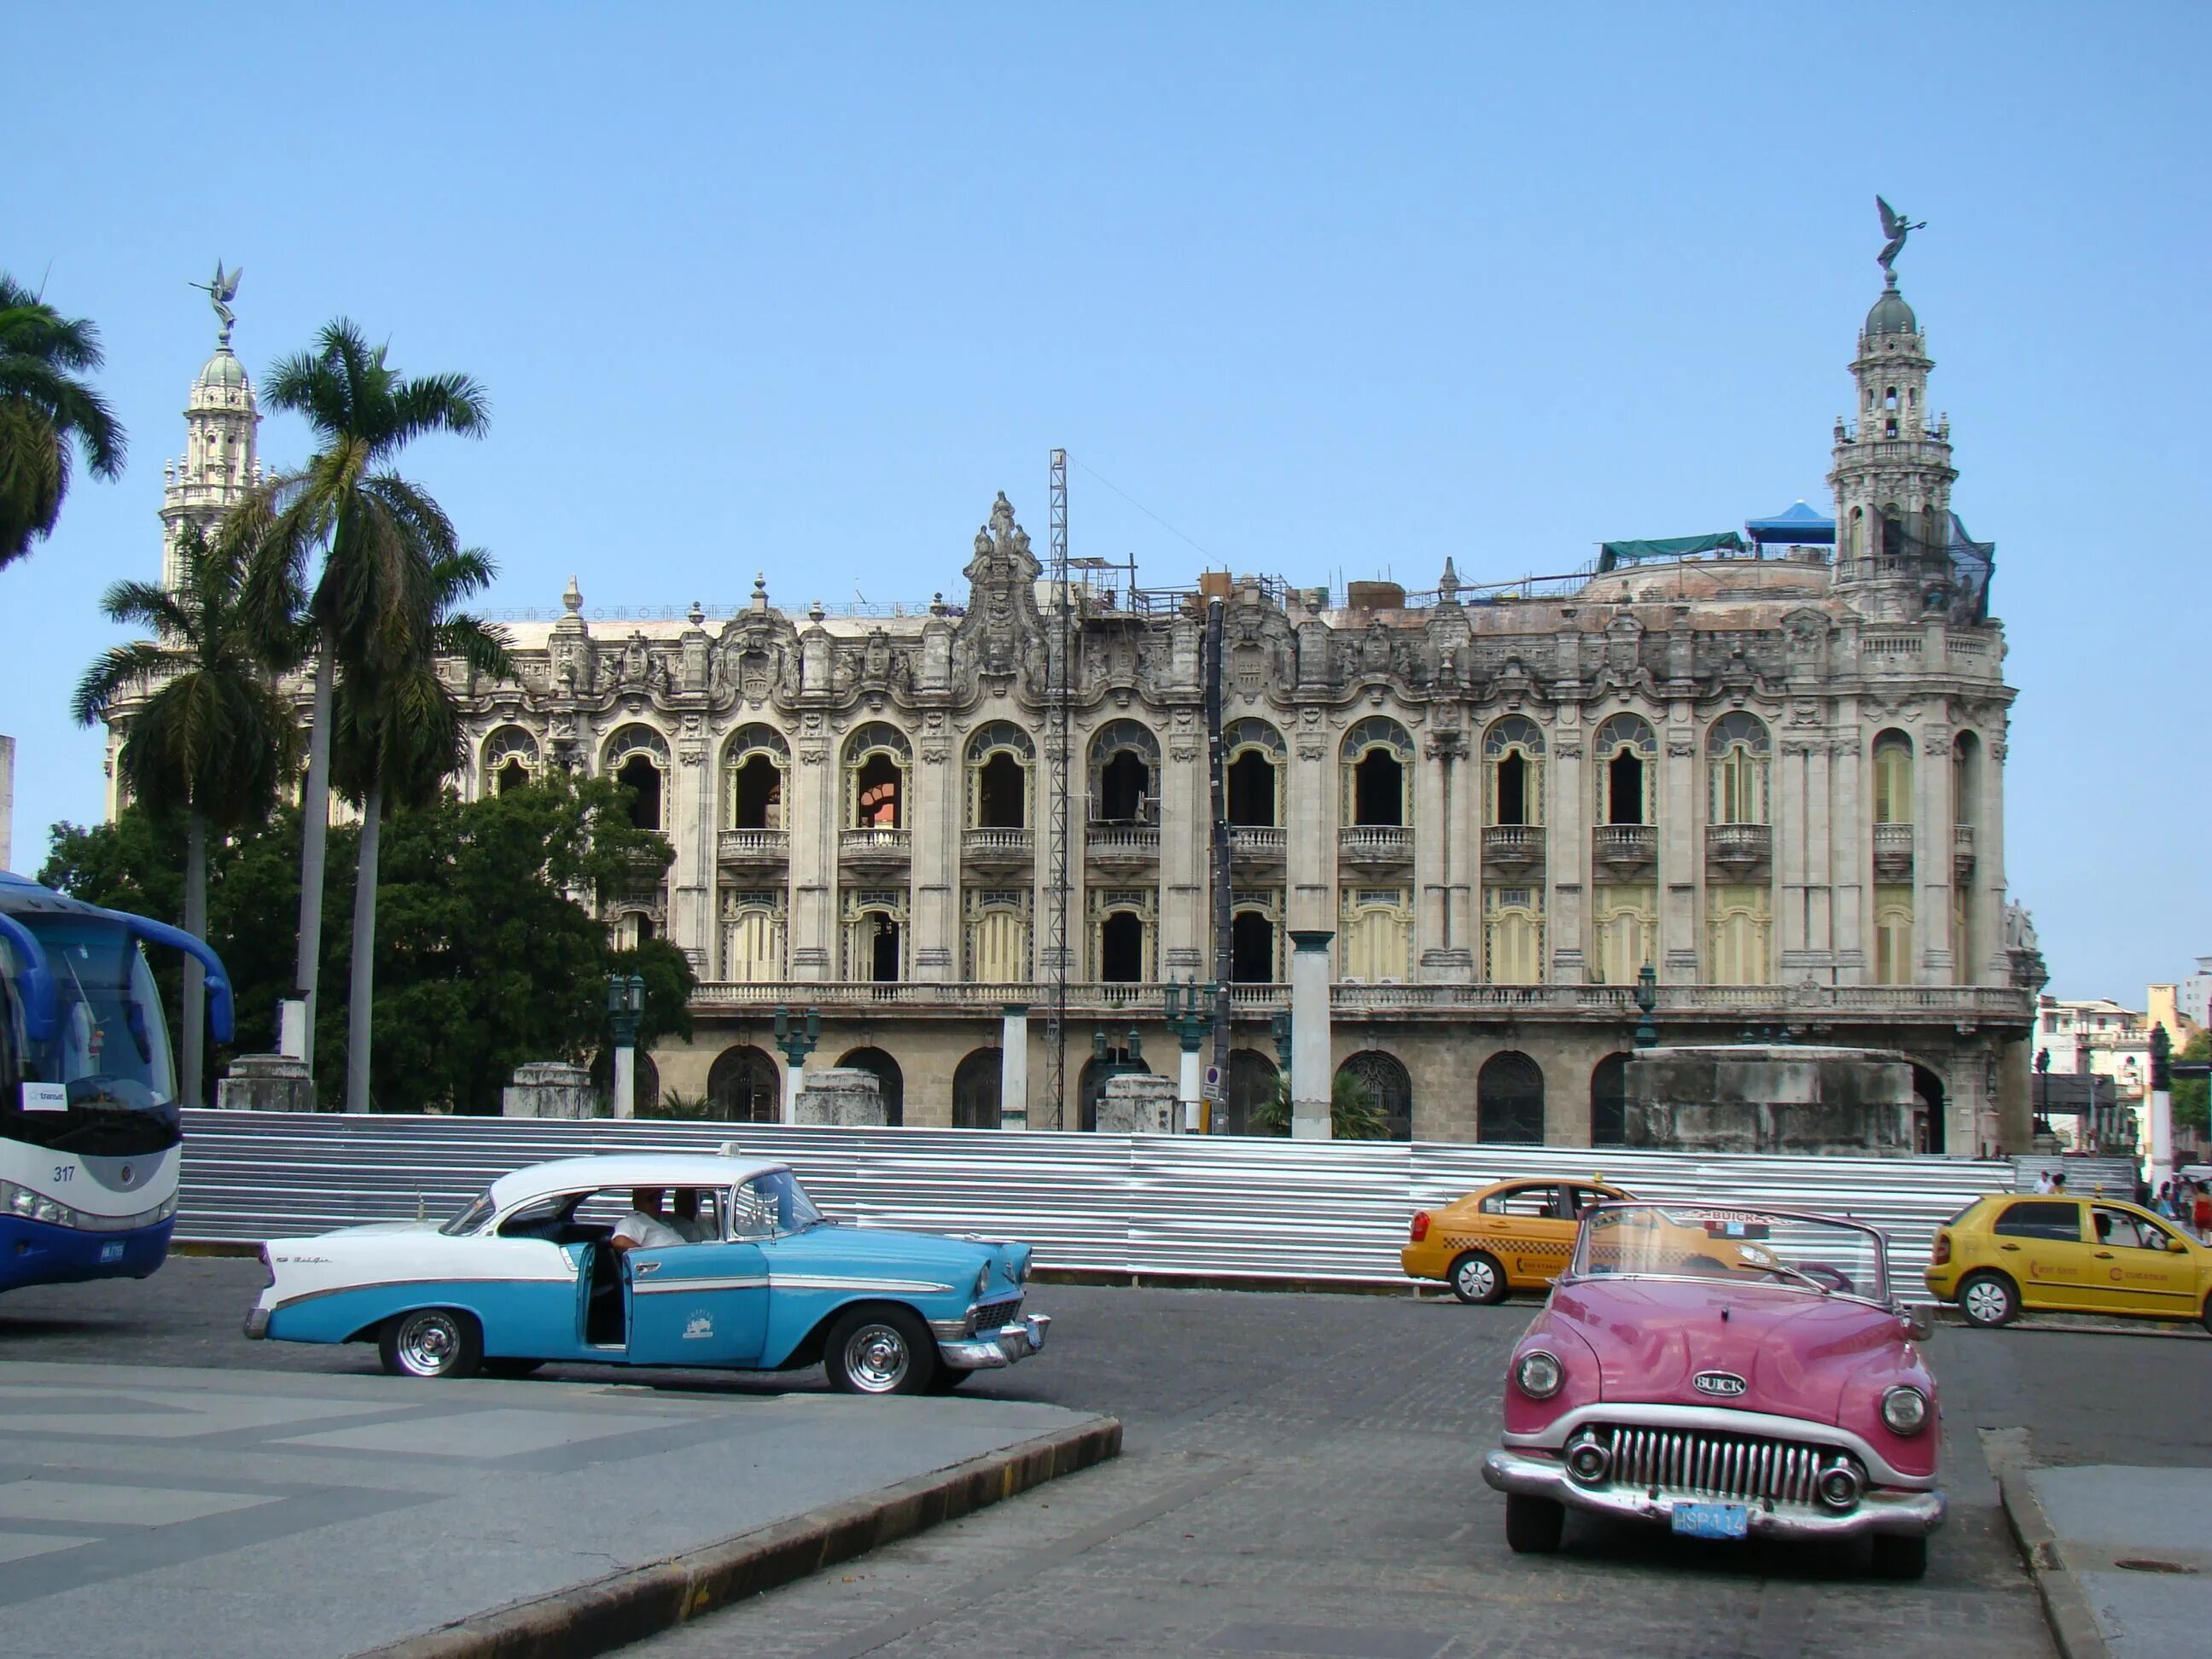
(1302, 1477)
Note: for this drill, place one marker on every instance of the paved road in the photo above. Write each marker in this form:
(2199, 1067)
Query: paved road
(1301, 1477)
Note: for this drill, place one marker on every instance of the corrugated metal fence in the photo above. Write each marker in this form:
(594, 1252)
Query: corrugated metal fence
(1165, 1205)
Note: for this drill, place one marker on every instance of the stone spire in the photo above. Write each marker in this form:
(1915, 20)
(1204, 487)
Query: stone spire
(1893, 472)
(220, 464)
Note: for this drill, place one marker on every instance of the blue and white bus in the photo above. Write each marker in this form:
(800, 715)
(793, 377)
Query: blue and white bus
(90, 1137)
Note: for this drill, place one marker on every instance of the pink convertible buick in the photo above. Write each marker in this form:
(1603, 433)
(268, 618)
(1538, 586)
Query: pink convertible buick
(1728, 1371)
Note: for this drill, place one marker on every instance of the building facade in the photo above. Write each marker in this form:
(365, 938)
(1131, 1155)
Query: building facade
(1777, 782)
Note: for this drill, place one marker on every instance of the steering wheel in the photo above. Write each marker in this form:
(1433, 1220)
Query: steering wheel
(1834, 1277)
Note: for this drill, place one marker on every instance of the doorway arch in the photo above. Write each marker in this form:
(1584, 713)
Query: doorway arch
(744, 1087)
(1253, 1083)
(1928, 1089)
(1509, 1099)
(975, 1083)
(887, 1074)
(1387, 1084)
(1609, 1102)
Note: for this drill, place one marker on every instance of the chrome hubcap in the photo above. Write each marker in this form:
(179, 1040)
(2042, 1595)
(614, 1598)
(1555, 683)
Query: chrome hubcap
(428, 1343)
(1474, 1277)
(1987, 1302)
(876, 1358)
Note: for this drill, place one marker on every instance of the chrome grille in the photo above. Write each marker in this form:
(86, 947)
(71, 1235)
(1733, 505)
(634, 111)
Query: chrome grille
(1731, 1468)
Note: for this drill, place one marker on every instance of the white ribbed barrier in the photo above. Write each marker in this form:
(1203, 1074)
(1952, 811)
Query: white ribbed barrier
(1155, 1205)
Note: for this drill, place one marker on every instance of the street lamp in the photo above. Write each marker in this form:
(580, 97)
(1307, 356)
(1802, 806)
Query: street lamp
(1647, 999)
(625, 1009)
(1190, 1017)
(797, 1039)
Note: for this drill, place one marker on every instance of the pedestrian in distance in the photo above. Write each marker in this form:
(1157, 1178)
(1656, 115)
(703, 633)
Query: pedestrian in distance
(2201, 1206)
(2045, 1183)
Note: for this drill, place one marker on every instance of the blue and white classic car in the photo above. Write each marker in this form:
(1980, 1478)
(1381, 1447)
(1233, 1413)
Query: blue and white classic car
(542, 1266)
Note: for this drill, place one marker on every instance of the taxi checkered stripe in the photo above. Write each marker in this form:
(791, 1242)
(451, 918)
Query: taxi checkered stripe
(1499, 1245)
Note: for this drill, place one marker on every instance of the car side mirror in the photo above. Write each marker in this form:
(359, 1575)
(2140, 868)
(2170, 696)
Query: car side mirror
(2176, 1246)
(1917, 1326)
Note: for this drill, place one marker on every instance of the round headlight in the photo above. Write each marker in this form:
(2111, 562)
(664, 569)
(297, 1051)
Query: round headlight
(983, 1280)
(1538, 1374)
(1905, 1408)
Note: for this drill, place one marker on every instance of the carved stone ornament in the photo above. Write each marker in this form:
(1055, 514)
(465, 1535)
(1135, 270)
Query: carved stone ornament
(1185, 752)
(1570, 750)
(812, 754)
(1937, 742)
(1998, 750)
(1311, 749)
(692, 754)
(1679, 749)
(934, 754)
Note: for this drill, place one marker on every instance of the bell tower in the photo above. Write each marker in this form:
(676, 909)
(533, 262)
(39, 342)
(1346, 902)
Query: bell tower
(220, 464)
(1893, 472)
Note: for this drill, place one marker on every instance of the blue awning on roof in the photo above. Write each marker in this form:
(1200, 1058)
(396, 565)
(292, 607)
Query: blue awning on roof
(1797, 524)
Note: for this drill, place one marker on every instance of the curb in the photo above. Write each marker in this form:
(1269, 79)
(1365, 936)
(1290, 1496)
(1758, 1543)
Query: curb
(2065, 1606)
(628, 1606)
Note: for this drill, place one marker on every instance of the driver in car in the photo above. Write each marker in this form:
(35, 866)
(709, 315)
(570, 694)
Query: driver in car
(644, 1228)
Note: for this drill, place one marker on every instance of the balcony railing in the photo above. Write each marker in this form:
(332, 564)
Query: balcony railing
(1732, 1005)
(1375, 844)
(875, 846)
(1962, 853)
(1122, 843)
(753, 846)
(1739, 847)
(1626, 846)
(997, 846)
(1255, 842)
(1512, 846)
(1892, 851)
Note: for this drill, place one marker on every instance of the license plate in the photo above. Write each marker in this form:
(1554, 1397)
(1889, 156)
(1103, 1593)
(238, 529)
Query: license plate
(111, 1252)
(1711, 1520)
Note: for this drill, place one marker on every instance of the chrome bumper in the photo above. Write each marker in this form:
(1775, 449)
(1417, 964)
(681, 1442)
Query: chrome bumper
(257, 1322)
(1881, 1509)
(989, 1351)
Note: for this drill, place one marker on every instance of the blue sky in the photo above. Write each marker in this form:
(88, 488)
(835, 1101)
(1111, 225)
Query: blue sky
(1334, 292)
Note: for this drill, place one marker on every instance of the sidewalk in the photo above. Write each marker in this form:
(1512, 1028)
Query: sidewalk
(2122, 1556)
(291, 1516)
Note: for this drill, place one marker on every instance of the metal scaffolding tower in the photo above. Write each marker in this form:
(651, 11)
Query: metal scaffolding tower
(1059, 890)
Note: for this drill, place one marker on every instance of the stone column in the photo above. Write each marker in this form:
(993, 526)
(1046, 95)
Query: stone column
(934, 821)
(1567, 858)
(1310, 1049)
(1014, 1067)
(1812, 835)
(1682, 860)
(1786, 813)
(1188, 1090)
(812, 816)
(692, 823)
(794, 1085)
(1310, 823)
(1992, 962)
(1932, 861)
(1185, 862)
(1850, 850)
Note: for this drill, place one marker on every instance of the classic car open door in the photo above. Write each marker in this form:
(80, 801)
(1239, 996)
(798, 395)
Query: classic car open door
(697, 1304)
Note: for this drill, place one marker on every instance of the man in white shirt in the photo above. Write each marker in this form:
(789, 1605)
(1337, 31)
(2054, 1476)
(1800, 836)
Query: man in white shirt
(644, 1228)
(694, 1228)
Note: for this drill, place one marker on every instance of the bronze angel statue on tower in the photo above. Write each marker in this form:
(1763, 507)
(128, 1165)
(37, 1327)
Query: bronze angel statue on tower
(1894, 227)
(221, 292)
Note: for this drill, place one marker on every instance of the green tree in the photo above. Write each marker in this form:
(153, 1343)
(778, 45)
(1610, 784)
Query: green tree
(2189, 1093)
(1353, 1113)
(47, 414)
(213, 739)
(347, 546)
(398, 736)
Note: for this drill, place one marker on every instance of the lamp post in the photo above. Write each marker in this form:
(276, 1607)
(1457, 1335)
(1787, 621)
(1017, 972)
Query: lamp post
(1190, 1017)
(625, 1008)
(797, 1039)
(1647, 999)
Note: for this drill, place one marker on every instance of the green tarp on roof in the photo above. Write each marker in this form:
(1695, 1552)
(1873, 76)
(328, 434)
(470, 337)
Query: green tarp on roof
(1675, 547)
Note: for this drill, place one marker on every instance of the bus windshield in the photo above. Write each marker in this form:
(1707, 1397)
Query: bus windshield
(102, 1085)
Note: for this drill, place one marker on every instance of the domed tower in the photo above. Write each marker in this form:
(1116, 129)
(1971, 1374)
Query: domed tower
(219, 465)
(1893, 472)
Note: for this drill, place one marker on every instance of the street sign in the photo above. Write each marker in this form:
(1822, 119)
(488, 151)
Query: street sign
(1213, 1090)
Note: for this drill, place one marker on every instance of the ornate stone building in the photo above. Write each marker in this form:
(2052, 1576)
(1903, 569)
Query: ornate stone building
(1777, 782)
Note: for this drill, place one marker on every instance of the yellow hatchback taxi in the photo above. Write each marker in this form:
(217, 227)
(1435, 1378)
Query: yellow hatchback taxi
(2010, 1251)
(1508, 1236)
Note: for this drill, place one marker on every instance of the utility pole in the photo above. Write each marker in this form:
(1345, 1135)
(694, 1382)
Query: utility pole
(1060, 690)
(1217, 814)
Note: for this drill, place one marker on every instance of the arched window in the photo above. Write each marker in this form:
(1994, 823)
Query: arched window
(1625, 751)
(1381, 1080)
(754, 762)
(1509, 1099)
(1125, 769)
(1513, 934)
(876, 762)
(975, 1084)
(636, 756)
(1857, 547)
(1000, 760)
(1122, 948)
(1892, 778)
(888, 1075)
(1255, 752)
(1967, 779)
(1609, 1102)
(1513, 762)
(1738, 930)
(752, 935)
(1893, 935)
(1252, 947)
(510, 759)
(1375, 934)
(1378, 773)
(744, 1087)
(1254, 1084)
(1892, 523)
(1737, 753)
(1928, 1092)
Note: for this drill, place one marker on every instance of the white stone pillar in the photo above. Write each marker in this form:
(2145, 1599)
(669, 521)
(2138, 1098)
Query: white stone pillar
(1851, 846)
(1188, 1089)
(1014, 1067)
(1309, 818)
(625, 1103)
(2162, 1137)
(935, 823)
(812, 813)
(794, 1080)
(1680, 876)
(1566, 858)
(1932, 844)
(1310, 1049)
(1186, 938)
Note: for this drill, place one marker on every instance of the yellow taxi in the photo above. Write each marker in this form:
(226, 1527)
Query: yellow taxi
(2010, 1251)
(1508, 1236)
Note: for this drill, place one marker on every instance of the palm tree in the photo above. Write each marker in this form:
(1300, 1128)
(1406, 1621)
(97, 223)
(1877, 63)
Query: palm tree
(398, 736)
(214, 739)
(378, 537)
(45, 413)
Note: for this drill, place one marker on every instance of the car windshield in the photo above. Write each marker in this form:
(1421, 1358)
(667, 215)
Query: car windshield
(473, 1215)
(1752, 1246)
(772, 1203)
